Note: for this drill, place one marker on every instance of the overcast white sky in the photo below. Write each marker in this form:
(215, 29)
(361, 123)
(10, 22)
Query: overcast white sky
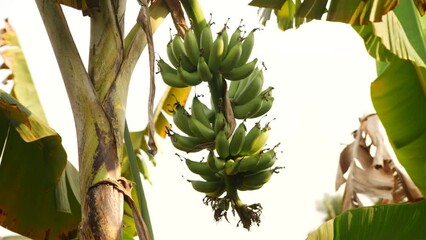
(321, 74)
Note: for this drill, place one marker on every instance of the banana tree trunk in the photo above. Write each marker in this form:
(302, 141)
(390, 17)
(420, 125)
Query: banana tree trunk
(98, 111)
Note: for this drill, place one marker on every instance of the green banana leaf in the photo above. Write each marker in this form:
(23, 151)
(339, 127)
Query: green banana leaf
(35, 178)
(38, 193)
(397, 221)
(293, 13)
(14, 60)
(399, 97)
(398, 94)
(277, 4)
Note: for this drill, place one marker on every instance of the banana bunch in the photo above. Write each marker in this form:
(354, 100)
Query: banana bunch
(237, 159)
(247, 97)
(197, 126)
(193, 61)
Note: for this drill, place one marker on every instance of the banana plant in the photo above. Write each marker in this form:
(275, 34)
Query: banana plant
(393, 32)
(34, 164)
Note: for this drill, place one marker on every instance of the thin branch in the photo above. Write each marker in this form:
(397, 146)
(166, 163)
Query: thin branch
(145, 22)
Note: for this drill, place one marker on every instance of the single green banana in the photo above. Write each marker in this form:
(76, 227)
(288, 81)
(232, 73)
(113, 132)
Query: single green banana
(181, 119)
(207, 186)
(200, 112)
(210, 162)
(163, 66)
(191, 47)
(180, 54)
(173, 60)
(232, 57)
(247, 110)
(220, 122)
(224, 34)
(216, 164)
(235, 37)
(216, 53)
(204, 70)
(189, 78)
(247, 47)
(267, 102)
(200, 168)
(220, 163)
(240, 72)
(233, 87)
(251, 87)
(231, 167)
(212, 177)
(256, 139)
(222, 144)
(172, 80)
(217, 193)
(185, 143)
(248, 163)
(251, 136)
(243, 187)
(200, 130)
(237, 141)
(258, 178)
(267, 159)
(206, 41)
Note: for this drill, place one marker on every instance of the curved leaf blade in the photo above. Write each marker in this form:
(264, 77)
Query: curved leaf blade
(400, 102)
(23, 89)
(37, 198)
(398, 221)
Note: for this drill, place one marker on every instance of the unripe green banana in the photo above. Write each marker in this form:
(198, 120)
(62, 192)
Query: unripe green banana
(222, 145)
(267, 159)
(248, 163)
(180, 54)
(267, 102)
(235, 37)
(169, 75)
(255, 140)
(240, 72)
(247, 110)
(247, 47)
(207, 186)
(200, 111)
(181, 119)
(243, 187)
(258, 178)
(185, 143)
(217, 193)
(233, 87)
(249, 87)
(200, 168)
(228, 63)
(216, 164)
(204, 70)
(220, 122)
(189, 78)
(200, 130)
(172, 80)
(216, 54)
(171, 55)
(224, 34)
(220, 163)
(163, 66)
(237, 140)
(206, 41)
(191, 47)
(210, 161)
(212, 177)
(231, 167)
